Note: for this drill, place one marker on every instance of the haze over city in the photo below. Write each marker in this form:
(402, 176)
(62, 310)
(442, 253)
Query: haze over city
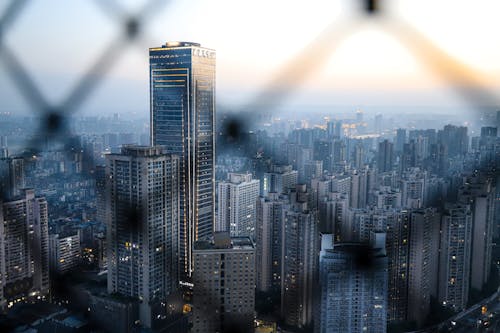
(249, 167)
(254, 41)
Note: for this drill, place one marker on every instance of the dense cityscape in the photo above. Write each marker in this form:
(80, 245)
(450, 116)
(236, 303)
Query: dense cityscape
(195, 220)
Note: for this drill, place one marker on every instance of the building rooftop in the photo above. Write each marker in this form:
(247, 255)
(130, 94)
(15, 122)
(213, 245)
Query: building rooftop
(221, 241)
(180, 44)
(169, 45)
(141, 151)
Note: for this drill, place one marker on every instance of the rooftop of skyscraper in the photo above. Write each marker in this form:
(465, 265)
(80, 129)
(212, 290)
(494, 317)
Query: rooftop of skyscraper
(142, 151)
(180, 44)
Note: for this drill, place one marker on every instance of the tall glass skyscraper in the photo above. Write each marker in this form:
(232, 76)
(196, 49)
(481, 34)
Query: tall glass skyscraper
(182, 92)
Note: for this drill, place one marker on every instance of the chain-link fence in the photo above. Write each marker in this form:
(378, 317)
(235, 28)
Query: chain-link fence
(54, 117)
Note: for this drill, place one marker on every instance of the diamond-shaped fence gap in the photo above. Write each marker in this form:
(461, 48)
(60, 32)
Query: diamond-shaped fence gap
(23, 81)
(448, 24)
(129, 78)
(13, 99)
(292, 74)
(131, 30)
(60, 60)
(132, 16)
(114, 9)
(20, 134)
(127, 17)
(382, 64)
(94, 75)
(150, 8)
(469, 83)
(130, 6)
(473, 44)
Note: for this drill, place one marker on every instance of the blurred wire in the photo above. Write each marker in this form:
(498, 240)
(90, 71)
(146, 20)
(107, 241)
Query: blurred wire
(21, 79)
(310, 59)
(467, 82)
(53, 115)
(10, 15)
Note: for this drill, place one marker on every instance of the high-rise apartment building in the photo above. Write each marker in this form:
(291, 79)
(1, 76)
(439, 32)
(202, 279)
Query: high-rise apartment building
(224, 284)
(334, 129)
(24, 248)
(480, 195)
(339, 152)
(299, 260)
(12, 179)
(387, 198)
(100, 192)
(313, 169)
(142, 203)
(487, 145)
(423, 262)
(341, 184)
(408, 157)
(236, 203)
(438, 159)
(385, 156)
(64, 252)
(323, 151)
(359, 156)
(489, 131)
(280, 179)
(361, 223)
(414, 188)
(455, 138)
(182, 97)
(359, 188)
(320, 187)
(352, 291)
(400, 140)
(398, 253)
(269, 240)
(333, 209)
(455, 256)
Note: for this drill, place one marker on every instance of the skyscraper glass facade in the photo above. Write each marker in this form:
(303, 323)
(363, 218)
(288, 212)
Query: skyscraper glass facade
(182, 92)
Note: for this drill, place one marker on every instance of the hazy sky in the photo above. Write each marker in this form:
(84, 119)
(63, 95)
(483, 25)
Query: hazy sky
(58, 40)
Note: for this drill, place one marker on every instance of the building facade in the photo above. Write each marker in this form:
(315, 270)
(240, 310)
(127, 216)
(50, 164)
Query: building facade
(64, 252)
(423, 263)
(269, 241)
(455, 256)
(182, 97)
(224, 284)
(480, 195)
(352, 297)
(142, 201)
(299, 260)
(280, 179)
(236, 205)
(385, 156)
(24, 248)
(12, 176)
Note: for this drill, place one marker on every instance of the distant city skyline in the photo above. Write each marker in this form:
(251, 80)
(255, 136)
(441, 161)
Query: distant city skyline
(368, 68)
